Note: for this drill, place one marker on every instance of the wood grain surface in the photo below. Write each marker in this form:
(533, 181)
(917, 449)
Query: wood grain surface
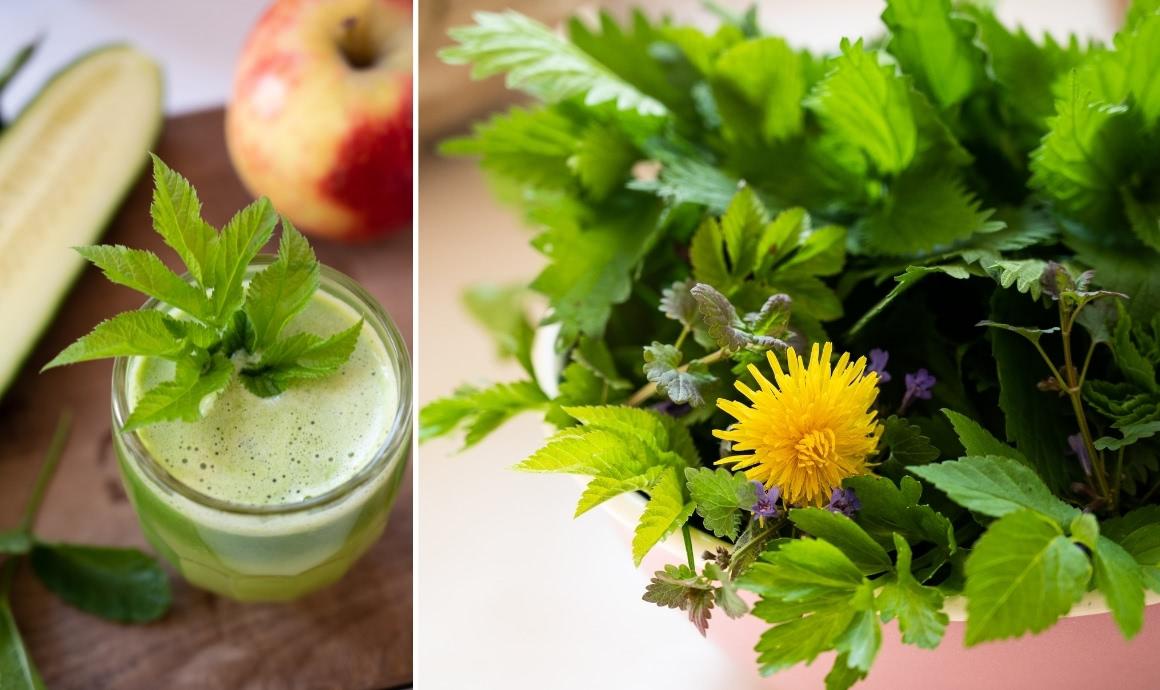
(353, 636)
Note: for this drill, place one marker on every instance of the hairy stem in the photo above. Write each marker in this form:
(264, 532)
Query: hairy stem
(650, 389)
(1073, 393)
(681, 338)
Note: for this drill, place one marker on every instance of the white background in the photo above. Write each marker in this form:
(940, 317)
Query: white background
(513, 593)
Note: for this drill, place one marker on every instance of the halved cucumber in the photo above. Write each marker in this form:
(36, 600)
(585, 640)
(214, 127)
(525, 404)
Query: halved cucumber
(66, 163)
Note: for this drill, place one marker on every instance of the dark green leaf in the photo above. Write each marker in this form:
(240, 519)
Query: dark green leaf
(845, 534)
(1117, 576)
(995, 486)
(917, 608)
(118, 584)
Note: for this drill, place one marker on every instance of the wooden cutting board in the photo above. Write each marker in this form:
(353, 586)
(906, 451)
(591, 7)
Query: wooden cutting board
(353, 636)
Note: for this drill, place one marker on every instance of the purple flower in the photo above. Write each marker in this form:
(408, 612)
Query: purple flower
(1077, 446)
(918, 385)
(766, 506)
(844, 501)
(878, 360)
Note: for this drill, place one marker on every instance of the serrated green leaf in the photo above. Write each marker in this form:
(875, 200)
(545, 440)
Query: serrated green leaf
(995, 486)
(844, 533)
(146, 333)
(677, 302)
(230, 254)
(758, 86)
(1138, 532)
(842, 676)
(142, 271)
(502, 310)
(1084, 529)
(707, 255)
(803, 569)
(867, 105)
(1024, 274)
(860, 641)
(1141, 49)
(665, 512)
(176, 213)
(906, 443)
(603, 159)
(183, 397)
(117, 584)
(685, 179)
(300, 357)
(662, 366)
(529, 146)
(601, 489)
(281, 290)
(978, 441)
(479, 410)
(538, 61)
(935, 46)
(1022, 575)
(888, 508)
(925, 211)
(918, 608)
(720, 497)
(1117, 576)
(16, 667)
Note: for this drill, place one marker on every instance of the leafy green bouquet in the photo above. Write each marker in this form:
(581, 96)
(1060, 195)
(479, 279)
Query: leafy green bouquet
(722, 209)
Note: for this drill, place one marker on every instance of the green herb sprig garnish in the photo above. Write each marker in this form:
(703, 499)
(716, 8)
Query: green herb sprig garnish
(219, 328)
(123, 585)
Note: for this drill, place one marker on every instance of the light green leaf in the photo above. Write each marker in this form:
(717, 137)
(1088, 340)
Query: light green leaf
(538, 61)
(935, 46)
(301, 357)
(176, 212)
(479, 410)
(1024, 274)
(603, 159)
(860, 642)
(995, 486)
(917, 608)
(1141, 50)
(280, 291)
(147, 333)
(758, 86)
(707, 255)
(801, 570)
(664, 513)
(184, 397)
(601, 489)
(720, 496)
(844, 533)
(231, 252)
(1138, 532)
(978, 441)
(1022, 575)
(503, 312)
(16, 667)
(530, 146)
(801, 640)
(906, 443)
(142, 271)
(867, 105)
(1117, 576)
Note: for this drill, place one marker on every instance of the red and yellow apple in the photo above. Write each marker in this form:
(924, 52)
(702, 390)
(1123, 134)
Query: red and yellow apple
(320, 118)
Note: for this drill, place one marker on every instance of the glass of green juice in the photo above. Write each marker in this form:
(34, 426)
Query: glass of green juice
(268, 499)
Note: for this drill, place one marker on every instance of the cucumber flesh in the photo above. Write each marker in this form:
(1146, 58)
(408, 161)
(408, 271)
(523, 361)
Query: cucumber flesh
(66, 163)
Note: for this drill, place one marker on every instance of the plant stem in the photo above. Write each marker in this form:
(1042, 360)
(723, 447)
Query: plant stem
(689, 545)
(681, 338)
(1116, 477)
(650, 389)
(1073, 393)
(47, 470)
(1087, 360)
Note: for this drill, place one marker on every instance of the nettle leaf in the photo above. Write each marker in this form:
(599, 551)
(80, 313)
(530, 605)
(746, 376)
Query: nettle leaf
(16, 667)
(118, 584)
(924, 211)
(679, 587)
(176, 213)
(665, 513)
(194, 386)
(540, 62)
(1022, 575)
(479, 410)
(918, 608)
(300, 357)
(844, 533)
(1141, 54)
(230, 254)
(529, 146)
(995, 486)
(978, 441)
(603, 159)
(146, 333)
(935, 46)
(684, 179)
(662, 366)
(866, 104)
(758, 86)
(281, 291)
(1119, 579)
(502, 311)
(142, 271)
(721, 496)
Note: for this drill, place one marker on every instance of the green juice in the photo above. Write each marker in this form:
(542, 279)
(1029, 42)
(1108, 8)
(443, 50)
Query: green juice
(270, 498)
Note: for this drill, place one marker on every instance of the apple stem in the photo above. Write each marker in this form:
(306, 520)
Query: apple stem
(357, 42)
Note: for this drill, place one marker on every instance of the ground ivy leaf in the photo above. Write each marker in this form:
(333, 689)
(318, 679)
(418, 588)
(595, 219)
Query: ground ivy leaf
(144, 333)
(665, 512)
(142, 271)
(1022, 575)
(176, 212)
(978, 441)
(15, 542)
(282, 289)
(917, 608)
(679, 587)
(720, 316)
(662, 364)
(16, 667)
(844, 533)
(1118, 577)
(867, 105)
(995, 486)
(183, 397)
(677, 302)
(118, 584)
(720, 496)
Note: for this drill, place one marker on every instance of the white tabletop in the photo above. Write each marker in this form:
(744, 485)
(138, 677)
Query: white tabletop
(512, 593)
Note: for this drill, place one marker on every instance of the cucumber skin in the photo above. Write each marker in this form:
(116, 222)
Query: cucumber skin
(7, 378)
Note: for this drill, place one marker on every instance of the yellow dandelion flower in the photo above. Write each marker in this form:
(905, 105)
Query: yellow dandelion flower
(816, 427)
